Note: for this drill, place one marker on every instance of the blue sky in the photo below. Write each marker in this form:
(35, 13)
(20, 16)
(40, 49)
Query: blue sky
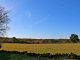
(43, 18)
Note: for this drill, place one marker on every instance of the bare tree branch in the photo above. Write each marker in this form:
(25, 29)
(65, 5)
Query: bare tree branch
(3, 21)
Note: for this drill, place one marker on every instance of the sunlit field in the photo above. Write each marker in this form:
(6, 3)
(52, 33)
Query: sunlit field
(43, 48)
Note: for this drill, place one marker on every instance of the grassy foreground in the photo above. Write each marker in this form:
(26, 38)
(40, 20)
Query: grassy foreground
(15, 55)
(43, 48)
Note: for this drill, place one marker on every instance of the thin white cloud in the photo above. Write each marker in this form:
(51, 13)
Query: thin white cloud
(40, 21)
(29, 14)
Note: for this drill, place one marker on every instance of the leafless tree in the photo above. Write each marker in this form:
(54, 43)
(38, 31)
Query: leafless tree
(4, 20)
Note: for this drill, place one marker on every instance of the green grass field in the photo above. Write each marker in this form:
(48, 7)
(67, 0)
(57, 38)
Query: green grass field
(43, 48)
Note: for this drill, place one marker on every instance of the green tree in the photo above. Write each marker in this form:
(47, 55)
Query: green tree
(74, 38)
(15, 40)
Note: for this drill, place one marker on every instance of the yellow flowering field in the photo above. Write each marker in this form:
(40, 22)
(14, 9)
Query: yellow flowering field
(43, 48)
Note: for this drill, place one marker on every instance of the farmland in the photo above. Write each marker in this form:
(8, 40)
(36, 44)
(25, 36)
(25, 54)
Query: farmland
(43, 48)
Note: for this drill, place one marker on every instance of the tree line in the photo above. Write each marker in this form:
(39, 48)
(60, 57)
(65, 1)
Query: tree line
(73, 39)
